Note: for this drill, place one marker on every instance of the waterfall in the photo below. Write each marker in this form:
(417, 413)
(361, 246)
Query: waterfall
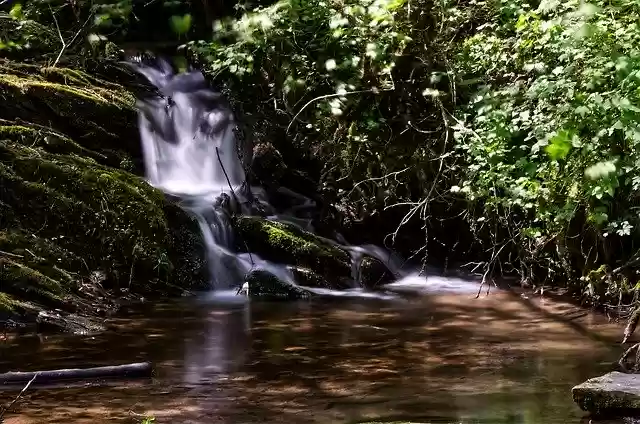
(192, 155)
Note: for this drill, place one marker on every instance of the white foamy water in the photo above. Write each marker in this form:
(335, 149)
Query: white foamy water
(416, 283)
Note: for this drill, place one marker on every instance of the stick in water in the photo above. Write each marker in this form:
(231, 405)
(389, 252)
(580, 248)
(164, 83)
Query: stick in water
(17, 397)
(143, 369)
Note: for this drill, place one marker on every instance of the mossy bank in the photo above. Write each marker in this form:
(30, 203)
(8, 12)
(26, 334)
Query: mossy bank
(78, 227)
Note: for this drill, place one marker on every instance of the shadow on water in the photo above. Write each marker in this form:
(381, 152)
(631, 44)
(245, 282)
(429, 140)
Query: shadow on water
(440, 358)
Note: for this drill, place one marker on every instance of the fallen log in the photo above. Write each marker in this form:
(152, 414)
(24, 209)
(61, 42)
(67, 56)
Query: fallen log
(137, 370)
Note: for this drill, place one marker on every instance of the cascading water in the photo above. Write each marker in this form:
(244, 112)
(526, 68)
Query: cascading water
(191, 154)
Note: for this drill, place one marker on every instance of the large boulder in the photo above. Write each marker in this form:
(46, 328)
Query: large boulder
(70, 207)
(614, 393)
(290, 245)
(266, 286)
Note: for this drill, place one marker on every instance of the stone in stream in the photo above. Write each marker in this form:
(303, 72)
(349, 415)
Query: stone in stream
(263, 285)
(614, 393)
(374, 273)
(290, 245)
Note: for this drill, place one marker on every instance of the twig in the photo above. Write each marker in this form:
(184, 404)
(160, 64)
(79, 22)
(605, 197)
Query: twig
(328, 96)
(626, 354)
(384, 177)
(484, 279)
(64, 43)
(11, 255)
(17, 397)
(233, 193)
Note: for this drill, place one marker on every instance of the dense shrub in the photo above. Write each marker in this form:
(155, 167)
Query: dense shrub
(551, 138)
(540, 96)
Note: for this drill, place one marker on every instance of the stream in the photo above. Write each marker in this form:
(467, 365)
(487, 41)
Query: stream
(432, 358)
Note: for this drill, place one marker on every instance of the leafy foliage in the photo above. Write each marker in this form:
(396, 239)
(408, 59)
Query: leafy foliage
(540, 96)
(551, 132)
(350, 84)
(51, 25)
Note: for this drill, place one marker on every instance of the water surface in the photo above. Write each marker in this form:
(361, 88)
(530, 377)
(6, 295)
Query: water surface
(446, 358)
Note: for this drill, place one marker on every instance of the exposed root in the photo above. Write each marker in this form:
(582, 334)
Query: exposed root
(631, 325)
(622, 362)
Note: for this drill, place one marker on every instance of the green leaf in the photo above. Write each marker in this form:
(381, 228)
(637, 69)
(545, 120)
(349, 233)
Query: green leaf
(16, 11)
(181, 24)
(559, 145)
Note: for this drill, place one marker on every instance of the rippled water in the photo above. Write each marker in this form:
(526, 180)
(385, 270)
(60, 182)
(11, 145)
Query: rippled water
(434, 359)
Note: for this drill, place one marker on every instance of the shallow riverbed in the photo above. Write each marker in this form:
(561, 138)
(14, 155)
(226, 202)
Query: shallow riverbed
(441, 358)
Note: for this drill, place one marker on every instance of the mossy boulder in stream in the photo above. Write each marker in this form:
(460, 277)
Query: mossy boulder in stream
(71, 209)
(290, 245)
(266, 286)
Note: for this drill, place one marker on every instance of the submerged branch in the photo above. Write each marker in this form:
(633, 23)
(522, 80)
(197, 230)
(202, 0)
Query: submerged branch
(142, 369)
(24, 389)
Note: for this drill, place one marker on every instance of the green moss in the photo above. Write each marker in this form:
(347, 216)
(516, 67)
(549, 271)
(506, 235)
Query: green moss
(266, 286)
(67, 211)
(31, 134)
(99, 116)
(24, 282)
(80, 78)
(288, 244)
(8, 305)
(107, 216)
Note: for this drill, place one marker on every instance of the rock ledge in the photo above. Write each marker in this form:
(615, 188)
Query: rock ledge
(614, 393)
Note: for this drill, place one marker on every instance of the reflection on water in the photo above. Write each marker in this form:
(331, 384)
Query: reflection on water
(439, 359)
(221, 346)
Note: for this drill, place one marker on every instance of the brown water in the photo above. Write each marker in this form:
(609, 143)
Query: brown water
(438, 359)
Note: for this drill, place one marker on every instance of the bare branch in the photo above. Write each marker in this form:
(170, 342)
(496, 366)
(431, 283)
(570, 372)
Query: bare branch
(328, 96)
(11, 255)
(64, 43)
(17, 397)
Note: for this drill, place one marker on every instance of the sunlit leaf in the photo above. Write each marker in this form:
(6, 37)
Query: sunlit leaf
(600, 170)
(181, 24)
(16, 11)
(559, 145)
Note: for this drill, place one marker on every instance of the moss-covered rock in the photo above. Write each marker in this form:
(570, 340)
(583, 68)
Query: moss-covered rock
(290, 245)
(69, 205)
(266, 286)
(307, 278)
(97, 114)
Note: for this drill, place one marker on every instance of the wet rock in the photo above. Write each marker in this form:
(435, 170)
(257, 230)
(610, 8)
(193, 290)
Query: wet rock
(267, 165)
(614, 393)
(58, 322)
(266, 286)
(374, 273)
(289, 245)
(306, 277)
